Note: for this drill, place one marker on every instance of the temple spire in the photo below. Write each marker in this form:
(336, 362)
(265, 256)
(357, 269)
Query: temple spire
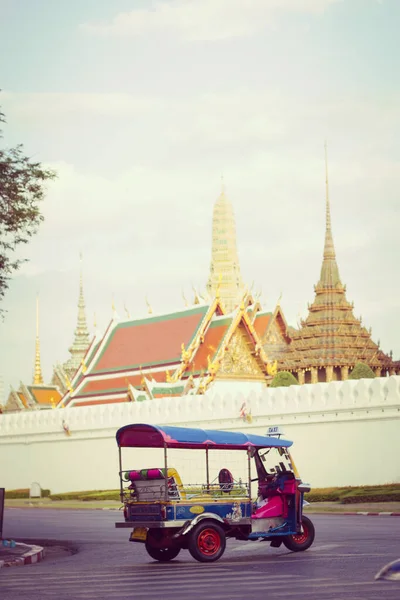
(329, 271)
(225, 277)
(329, 249)
(37, 378)
(81, 336)
(331, 340)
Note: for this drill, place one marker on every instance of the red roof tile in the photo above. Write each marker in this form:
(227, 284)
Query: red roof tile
(261, 323)
(111, 384)
(212, 340)
(154, 341)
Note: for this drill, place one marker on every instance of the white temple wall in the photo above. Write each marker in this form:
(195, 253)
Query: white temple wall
(344, 433)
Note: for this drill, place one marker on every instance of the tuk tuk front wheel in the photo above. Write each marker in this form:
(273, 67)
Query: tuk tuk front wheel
(207, 542)
(301, 541)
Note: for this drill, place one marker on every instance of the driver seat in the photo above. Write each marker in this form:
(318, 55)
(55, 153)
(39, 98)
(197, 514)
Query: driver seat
(225, 480)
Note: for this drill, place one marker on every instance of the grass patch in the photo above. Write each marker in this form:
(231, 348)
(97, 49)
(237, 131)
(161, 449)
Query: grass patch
(88, 496)
(343, 495)
(350, 495)
(23, 493)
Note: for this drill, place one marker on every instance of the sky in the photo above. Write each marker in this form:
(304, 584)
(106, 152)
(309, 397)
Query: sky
(140, 106)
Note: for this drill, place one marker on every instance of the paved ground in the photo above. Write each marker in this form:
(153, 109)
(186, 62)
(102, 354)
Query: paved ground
(342, 563)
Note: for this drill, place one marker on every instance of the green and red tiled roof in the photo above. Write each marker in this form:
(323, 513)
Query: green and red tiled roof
(148, 342)
(94, 387)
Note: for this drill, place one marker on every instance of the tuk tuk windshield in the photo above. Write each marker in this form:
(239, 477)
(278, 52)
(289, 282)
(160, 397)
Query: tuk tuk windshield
(273, 461)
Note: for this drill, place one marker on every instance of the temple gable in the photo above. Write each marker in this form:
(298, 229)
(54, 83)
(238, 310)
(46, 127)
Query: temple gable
(238, 361)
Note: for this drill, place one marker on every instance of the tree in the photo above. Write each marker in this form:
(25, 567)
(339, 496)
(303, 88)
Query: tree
(361, 371)
(22, 188)
(284, 379)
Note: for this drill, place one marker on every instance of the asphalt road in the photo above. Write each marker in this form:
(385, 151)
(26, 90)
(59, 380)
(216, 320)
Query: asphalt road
(347, 553)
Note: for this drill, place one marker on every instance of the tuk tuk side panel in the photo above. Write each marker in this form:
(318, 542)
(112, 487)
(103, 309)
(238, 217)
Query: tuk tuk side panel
(233, 511)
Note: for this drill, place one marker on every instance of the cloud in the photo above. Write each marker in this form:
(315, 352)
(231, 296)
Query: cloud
(211, 20)
(52, 105)
(219, 121)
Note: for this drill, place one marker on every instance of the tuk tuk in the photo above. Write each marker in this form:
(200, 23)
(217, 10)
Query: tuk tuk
(167, 515)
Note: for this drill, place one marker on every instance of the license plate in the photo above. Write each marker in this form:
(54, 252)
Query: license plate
(139, 533)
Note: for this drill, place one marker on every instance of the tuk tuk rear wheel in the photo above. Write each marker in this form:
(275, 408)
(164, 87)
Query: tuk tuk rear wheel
(301, 541)
(162, 554)
(207, 542)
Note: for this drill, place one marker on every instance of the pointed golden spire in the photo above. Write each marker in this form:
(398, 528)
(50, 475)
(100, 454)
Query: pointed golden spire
(329, 250)
(81, 335)
(150, 310)
(127, 312)
(279, 300)
(224, 255)
(329, 272)
(184, 298)
(38, 378)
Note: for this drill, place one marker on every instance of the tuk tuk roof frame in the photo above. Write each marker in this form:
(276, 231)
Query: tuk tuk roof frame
(142, 435)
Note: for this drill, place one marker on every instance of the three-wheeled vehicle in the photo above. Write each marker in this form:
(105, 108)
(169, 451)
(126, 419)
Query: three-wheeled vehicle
(168, 516)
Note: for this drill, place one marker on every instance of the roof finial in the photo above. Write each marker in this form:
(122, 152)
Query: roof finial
(81, 260)
(196, 299)
(38, 378)
(328, 208)
(150, 310)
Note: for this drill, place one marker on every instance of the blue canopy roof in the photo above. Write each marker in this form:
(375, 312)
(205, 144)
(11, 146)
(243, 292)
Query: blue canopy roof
(142, 435)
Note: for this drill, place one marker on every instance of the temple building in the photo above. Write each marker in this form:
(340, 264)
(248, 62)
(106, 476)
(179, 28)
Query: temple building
(225, 338)
(331, 340)
(81, 340)
(228, 338)
(38, 395)
(225, 269)
(173, 355)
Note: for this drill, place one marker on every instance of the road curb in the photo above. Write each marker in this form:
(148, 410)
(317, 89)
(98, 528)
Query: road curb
(373, 514)
(354, 514)
(34, 554)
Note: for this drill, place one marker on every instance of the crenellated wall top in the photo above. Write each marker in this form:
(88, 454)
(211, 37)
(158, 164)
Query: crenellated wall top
(211, 410)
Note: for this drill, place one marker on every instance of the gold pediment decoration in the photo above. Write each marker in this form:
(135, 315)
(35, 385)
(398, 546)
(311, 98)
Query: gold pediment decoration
(272, 368)
(238, 360)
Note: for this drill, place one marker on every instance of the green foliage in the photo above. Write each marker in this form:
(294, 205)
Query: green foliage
(23, 493)
(362, 371)
(88, 496)
(284, 379)
(351, 495)
(22, 188)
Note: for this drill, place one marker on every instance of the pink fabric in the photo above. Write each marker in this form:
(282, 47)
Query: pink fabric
(145, 474)
(273, 508)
